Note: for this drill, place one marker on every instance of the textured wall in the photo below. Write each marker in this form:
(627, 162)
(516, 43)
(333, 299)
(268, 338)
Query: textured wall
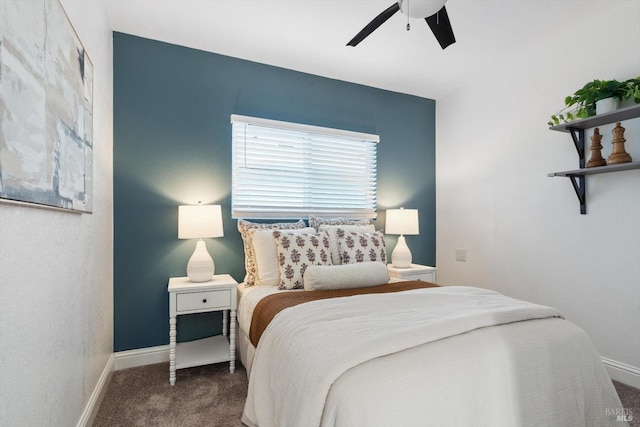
(172, 146)
(56, 280)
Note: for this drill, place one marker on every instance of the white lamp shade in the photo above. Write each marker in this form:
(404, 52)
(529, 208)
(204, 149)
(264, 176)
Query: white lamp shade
(199, 221)
(421, 8)
(402, 221)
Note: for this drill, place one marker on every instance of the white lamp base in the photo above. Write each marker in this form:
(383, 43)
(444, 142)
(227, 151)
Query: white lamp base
(200, 267)
(401, 255)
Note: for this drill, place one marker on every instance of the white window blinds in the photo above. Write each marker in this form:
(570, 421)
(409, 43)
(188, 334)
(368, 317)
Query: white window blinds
(287, 170)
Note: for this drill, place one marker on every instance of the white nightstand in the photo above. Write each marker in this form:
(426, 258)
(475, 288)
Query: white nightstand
(414, 272)
(186, 297)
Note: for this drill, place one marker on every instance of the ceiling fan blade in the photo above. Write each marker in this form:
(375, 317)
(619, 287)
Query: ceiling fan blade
(441, 27)
(373, 25)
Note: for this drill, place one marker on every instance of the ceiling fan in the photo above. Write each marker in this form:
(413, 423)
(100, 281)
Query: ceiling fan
(433, 11)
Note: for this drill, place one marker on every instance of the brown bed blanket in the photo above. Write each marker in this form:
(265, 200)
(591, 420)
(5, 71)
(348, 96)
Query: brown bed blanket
(272, 304)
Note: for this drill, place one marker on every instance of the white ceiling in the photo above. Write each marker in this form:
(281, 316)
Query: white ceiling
(310, 36)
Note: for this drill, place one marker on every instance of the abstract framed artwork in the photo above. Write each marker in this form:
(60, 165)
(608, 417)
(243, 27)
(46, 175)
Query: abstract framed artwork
(46, 108)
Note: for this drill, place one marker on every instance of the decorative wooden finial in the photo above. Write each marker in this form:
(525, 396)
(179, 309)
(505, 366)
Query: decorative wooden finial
(618, 155)
(596, 147)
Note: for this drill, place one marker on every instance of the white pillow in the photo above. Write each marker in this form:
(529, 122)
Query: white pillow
(264, 247)
(360, 275)
(333, 238)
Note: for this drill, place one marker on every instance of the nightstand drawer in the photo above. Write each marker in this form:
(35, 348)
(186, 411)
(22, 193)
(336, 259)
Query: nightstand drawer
(414, 272)
(427, 277)
(203, 300)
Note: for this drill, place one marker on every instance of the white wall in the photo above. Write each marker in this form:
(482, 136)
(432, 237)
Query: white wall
(522, 230)
(56, 275)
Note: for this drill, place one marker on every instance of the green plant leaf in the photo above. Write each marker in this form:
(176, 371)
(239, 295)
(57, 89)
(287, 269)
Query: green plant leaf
(584, 99)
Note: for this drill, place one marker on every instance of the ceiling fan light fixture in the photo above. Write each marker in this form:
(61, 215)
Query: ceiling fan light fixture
(420, 8)
(432, 11)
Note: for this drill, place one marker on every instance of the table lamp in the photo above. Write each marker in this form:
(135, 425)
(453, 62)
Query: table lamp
(200, 222)
(402, 221)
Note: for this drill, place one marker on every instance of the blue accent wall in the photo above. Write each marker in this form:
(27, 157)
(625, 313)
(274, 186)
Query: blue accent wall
(172, 146)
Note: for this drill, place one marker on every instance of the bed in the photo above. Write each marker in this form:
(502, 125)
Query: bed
(415, 354)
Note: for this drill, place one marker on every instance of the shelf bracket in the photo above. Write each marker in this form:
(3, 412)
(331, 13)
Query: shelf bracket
(577, 135)
(579, 185)
(578, 182)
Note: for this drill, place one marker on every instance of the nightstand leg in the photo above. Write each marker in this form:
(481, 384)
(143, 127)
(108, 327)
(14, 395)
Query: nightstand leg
(225, 313)
(172, 350)
(232, 342)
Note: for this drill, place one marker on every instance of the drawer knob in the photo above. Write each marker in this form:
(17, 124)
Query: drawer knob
(204, 300)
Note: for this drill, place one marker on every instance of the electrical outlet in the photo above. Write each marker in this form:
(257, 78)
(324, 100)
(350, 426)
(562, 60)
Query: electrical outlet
(461, 254)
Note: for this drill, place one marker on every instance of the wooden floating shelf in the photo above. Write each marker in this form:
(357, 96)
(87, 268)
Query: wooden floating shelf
(598, 169)
(601, 119)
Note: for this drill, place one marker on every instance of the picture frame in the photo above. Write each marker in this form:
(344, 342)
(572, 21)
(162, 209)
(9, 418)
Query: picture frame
(46, 108)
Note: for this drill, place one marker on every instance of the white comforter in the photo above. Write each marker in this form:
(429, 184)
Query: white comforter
(366, 361)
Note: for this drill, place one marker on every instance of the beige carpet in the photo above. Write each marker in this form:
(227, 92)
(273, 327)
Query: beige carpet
(207, 396)
(630, 401)
(202, 396)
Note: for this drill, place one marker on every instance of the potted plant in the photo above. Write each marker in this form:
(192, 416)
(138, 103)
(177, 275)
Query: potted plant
(631, 90)
(582, 103)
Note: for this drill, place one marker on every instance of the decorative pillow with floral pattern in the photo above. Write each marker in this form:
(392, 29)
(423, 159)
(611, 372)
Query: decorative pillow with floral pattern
(298, 251)
(333, 240)
(316, 221)
(361, 247)
(247, 229)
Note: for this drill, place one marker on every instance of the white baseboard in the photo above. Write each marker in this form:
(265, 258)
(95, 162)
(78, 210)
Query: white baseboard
(622, 372)
(117, 361)
(90, 411)
(141, 357)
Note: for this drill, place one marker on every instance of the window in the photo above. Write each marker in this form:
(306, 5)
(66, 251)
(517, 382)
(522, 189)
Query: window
(286, 170)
